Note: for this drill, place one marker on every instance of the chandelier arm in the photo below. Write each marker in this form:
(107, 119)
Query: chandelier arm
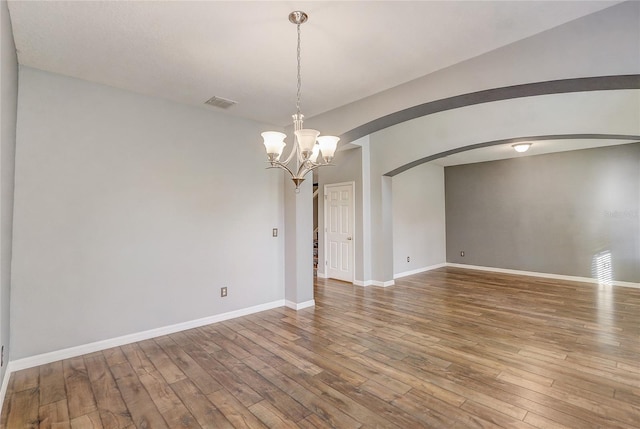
(303, 168)
(302, 171)
(278, 164)
(294, 149)
(308, 166)
(306, 169)
(301, 160)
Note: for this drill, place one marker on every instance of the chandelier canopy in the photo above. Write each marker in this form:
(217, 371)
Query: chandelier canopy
(308, 143)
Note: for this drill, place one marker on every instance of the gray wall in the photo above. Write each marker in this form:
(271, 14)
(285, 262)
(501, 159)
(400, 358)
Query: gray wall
(131, 212)
(8, 111)
(548, 213)
(418, 218)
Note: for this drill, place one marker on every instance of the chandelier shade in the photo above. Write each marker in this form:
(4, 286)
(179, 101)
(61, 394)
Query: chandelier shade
(274, 144)
(328, 145)
(308, 144)
(306, 141)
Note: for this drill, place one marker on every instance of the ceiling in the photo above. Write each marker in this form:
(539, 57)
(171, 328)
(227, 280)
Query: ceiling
(188, 51)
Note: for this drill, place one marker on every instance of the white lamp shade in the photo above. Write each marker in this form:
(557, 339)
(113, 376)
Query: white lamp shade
(328, 145)
(306, 139)
(315, 153)
(274, 142)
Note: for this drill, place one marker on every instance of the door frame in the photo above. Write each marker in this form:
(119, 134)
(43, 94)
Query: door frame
(353, 226)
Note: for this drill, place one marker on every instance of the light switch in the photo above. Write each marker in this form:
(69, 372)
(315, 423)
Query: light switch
(275, 232)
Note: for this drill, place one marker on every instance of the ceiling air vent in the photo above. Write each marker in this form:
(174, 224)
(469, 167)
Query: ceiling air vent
(220, 102)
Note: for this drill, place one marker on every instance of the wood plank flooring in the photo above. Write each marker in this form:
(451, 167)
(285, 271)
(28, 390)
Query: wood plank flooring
(449, 348)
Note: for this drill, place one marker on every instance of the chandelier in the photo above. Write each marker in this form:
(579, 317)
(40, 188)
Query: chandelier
(308, 143)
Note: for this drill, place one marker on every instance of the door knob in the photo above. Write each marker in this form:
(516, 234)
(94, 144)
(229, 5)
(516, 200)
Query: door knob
(348, 238)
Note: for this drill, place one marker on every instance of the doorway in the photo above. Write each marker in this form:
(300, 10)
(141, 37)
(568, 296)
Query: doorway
(339, 211)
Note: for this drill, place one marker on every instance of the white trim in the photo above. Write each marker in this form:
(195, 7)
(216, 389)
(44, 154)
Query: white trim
(321, 275)
(419, 270)
(382, 284)
(351, 182)
(302, 305)
(31, 361)
(363, 283)
(5, 383)
(544, 275)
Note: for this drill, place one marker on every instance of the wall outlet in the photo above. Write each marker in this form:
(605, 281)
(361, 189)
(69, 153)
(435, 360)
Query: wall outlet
(462, 253)
(223, 291)
(408, 259)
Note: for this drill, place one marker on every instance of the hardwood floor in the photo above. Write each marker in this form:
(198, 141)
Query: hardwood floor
(449, 348)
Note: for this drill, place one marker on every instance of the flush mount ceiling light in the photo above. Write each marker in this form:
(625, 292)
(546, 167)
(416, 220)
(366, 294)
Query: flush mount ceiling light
(308, 143)
(521, 147)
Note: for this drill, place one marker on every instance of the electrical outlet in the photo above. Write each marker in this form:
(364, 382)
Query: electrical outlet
(408, 259)
(462, 253)
(223, 291)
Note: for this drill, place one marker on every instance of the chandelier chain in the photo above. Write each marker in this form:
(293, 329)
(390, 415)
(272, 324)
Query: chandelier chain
(299, 75)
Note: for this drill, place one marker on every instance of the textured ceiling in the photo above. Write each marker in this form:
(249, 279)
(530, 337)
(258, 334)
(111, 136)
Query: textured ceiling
(188, 51)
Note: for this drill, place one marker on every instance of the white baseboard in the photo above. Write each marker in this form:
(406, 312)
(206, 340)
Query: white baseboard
(5, 383)
(363, 283)
(419, 270)
(382, 284)
(366, 283)
(544, 275)
(321, 275)
(300, 306)
(31, 361)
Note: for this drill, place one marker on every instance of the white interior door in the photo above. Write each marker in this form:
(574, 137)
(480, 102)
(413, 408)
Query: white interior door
(339, 225)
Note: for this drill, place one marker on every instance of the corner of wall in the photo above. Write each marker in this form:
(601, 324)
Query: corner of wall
(8, 107)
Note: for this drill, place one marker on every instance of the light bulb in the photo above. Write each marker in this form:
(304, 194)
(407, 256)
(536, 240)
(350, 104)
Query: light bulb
(521, 147)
